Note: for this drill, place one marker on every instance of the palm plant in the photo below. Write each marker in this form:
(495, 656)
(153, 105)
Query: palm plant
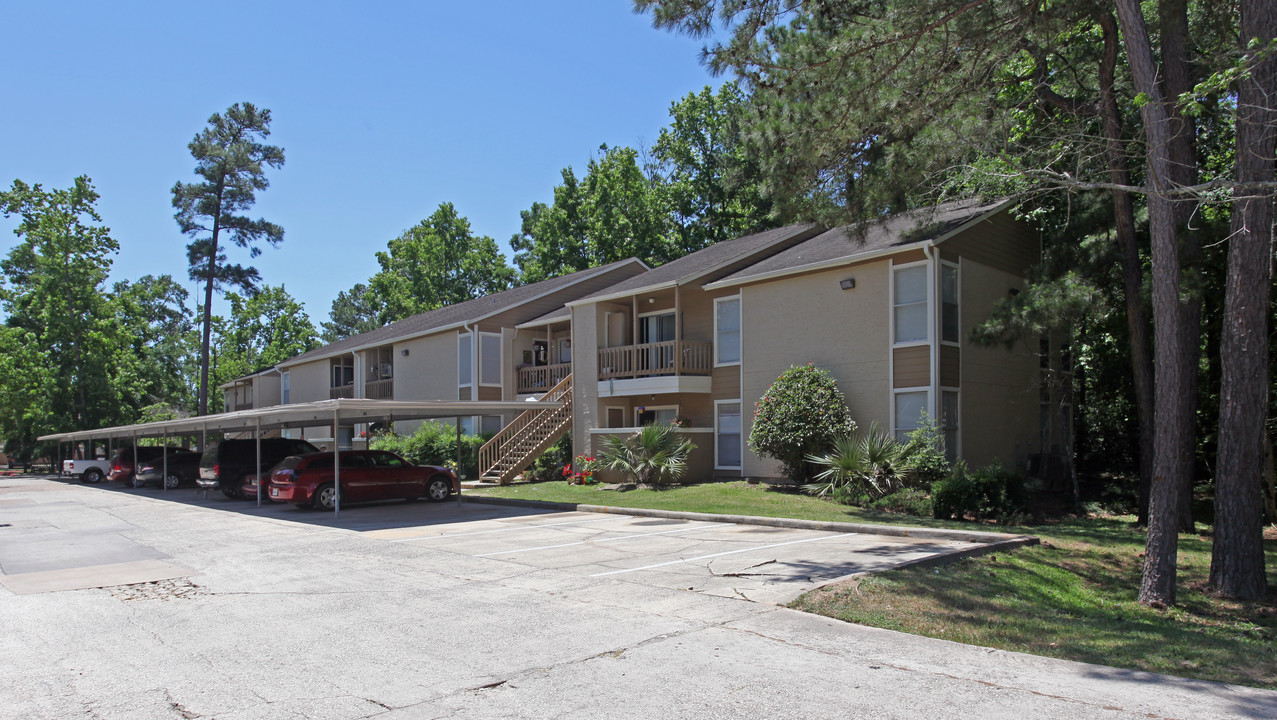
(655, 455)
(876, 464)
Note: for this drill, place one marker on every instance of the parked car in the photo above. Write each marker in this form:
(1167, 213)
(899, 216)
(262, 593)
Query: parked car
(122, 462)
(90, 471)
(182, 467)
(225, 464)
(307, 480)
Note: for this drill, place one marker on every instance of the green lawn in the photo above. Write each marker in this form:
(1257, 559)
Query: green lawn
(1073, 597)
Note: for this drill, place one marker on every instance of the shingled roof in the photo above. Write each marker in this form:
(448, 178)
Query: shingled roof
(847, 243)
(708, 263)
(455, 315)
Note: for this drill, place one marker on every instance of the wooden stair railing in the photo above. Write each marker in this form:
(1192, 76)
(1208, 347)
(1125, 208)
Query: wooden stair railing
(520, 443)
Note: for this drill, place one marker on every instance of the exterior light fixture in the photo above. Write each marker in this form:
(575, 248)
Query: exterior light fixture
(404, 352)
(848, 284)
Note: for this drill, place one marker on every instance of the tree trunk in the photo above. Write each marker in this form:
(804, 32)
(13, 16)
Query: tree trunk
(1177, 80)
(1172, 446)
(1237, 558)
(1132, 271)
(209, 281)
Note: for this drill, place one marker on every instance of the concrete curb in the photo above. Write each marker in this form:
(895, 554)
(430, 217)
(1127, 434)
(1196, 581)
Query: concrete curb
(993, 541)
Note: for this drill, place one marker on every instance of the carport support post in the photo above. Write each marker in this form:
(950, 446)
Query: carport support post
(458, 473)
(203, 447)
(164, 474)
(136, 462)
(336, 468)
(258, 435)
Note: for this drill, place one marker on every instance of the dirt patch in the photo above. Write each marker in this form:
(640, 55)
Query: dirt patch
(175, 589)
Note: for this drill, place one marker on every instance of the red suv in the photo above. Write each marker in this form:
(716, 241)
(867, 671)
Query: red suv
(307, 480)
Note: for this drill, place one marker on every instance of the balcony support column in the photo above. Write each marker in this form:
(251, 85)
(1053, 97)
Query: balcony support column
(678, 333)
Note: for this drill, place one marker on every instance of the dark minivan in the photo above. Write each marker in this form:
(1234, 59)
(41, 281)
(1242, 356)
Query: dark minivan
(225, 464)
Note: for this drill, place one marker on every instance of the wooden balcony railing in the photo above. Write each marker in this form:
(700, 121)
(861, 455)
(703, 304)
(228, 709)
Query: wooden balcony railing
(673, 357)
(380, 389)
(244, 405)
(540, 379)
(345, 391)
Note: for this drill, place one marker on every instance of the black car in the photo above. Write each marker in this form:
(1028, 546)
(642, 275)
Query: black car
(182, 467)
(225, 464)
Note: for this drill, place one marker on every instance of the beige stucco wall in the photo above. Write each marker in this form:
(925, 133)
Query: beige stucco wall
(999, 392)
(267, 392)
(309, 381)
(810, 318)
(429, 372)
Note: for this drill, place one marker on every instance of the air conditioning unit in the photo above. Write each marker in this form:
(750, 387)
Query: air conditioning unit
(387, 370)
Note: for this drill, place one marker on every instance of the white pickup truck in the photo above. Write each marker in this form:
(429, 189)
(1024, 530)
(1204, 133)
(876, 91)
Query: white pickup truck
(90, 471)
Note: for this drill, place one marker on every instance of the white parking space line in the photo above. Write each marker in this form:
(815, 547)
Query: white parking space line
(585, 542)
(729, 552)
(507, 529)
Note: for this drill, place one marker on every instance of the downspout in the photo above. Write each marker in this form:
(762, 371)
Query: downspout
(933, 331)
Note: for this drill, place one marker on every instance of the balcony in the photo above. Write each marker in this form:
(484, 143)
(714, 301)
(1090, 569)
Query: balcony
(673, 357)
(244, 405)
(380, 389)
(345, 391)
(540, 378)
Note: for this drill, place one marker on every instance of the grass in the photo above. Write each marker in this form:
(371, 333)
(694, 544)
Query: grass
(1074, 597)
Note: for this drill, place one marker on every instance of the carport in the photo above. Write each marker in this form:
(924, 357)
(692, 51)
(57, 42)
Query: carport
(319, 413)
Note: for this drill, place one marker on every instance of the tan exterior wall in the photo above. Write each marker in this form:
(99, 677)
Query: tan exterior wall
(810, 318)
(429, 372)
(309, 381)
(999, 393)
(586, 333)
(267, 392)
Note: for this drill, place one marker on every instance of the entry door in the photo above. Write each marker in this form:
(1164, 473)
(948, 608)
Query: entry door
(657, 329)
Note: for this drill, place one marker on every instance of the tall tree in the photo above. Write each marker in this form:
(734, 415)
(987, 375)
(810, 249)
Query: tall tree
(61, 337)
(354, 311)
(1237, 556)
(263, 329)
(706, 176)
(160, 333)
(554, 239)
(437, 262)
(231, 161)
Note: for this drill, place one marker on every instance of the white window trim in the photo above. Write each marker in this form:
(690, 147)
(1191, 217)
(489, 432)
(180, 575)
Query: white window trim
(891, 304)
(920, 388)
(940, 304)
(470, 336)
(739, 321)
(741, 406)
(500, 358)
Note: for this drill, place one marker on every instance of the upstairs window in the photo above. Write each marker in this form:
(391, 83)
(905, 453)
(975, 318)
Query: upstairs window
(909, 304)
(727, 331)
(950, 327)
(464, 360)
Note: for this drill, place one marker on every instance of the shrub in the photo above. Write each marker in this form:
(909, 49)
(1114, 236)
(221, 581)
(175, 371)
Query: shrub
(655, 455)
(801, 414)
(927, 453)
(550, 465)
(434, 444)
(873, 466)
(911, 501)
(989, 493)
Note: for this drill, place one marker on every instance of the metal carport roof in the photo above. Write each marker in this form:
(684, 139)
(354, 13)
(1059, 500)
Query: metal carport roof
(309, 414)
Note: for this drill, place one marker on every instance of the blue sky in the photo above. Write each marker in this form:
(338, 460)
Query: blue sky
(384, 110)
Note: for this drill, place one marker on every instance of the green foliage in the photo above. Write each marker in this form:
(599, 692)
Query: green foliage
(927, 453)
(64, 360)
(988, 493)
(353, 312)
(264, 329)
(656, 455)
(230, 159)
(160, 334)
(800, 415)
(910, 501)
(437, 262)
(549, 466)
(871, 466)
(434, 443)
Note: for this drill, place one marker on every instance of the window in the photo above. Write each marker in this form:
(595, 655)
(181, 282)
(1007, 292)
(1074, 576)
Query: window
(490, 359)
(727, 435)
(949, 423)
(656, 415)
(285, 388)
(909, 304)
(909, 408)
(387, 460)
(464, 360)
(467, 425)
(490, 424)
(950, 327)
(343, 375)
(727, 331)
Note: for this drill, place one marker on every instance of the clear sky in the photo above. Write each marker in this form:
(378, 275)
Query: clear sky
(384, 110)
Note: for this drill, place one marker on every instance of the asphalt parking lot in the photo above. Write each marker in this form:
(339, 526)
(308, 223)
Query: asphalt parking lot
(141, 604)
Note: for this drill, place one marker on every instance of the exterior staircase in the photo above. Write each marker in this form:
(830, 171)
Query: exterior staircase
(520, 443)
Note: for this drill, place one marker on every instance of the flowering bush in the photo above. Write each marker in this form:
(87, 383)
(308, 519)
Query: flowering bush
(681, 421)
(800, 415)
(584, 473)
